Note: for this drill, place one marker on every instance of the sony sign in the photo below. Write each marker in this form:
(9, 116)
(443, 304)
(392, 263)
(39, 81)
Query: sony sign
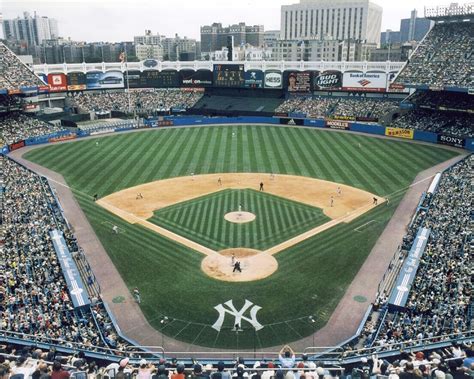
(451, 141)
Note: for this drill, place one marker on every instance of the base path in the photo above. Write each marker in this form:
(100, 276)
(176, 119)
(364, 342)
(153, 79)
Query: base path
(339, 202)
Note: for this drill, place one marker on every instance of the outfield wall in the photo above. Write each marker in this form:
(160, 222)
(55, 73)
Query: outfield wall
(375, 129)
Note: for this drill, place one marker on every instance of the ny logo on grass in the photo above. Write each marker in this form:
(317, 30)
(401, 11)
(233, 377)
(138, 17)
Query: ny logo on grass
(239, 315)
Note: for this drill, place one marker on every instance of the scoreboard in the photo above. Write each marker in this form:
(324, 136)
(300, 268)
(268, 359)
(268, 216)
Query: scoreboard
(158, 79)
(229, 75)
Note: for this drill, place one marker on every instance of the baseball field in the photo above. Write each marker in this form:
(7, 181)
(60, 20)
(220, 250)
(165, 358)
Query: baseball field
(188, 202)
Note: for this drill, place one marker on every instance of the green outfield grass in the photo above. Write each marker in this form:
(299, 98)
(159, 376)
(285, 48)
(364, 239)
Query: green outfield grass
(312, 276)
(202, 219)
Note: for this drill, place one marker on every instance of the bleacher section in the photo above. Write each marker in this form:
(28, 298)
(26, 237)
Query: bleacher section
(232, 105)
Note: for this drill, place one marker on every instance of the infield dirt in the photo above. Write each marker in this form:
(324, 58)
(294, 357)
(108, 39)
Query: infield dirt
(339, 202)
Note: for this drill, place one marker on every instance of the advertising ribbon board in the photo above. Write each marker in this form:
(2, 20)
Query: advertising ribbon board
(399, 133)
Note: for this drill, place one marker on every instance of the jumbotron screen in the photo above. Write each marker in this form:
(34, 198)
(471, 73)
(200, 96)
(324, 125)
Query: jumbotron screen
(229, 75)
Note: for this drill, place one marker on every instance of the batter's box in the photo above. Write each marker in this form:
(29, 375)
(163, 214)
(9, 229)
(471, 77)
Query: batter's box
(367, 225)
(113, 228)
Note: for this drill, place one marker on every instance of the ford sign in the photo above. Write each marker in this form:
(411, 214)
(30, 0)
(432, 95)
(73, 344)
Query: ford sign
(150, 63)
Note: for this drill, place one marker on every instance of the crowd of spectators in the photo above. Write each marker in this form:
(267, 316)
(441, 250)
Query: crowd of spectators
(34, 297)
(17, 127)
(443, 100)
(320, 107)
(13, 73)
(456, 124)
(141, 100)
(455, 361)
(444, 58)
(440, 299)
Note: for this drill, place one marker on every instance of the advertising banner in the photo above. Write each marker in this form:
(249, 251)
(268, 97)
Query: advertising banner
(337, 124)
(57, 82)
(399, 133)
(328, 80)
(367, 82)
(191, 78)
(451, 141)
(273, 79)
(16, 145)
(76, 81)
(229, 75)
(103, 80)
(254, 79)
(296, 81)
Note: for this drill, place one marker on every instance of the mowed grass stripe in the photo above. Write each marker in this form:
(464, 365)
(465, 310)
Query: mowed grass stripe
(313, 152)
(359, 167)
(284, 152)
(149, 170)
(302, 154)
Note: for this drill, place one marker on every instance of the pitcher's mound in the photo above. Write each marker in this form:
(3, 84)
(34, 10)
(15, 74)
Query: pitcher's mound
(240, 217)
(255, 265)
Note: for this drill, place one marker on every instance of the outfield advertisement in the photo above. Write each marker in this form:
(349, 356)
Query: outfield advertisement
(104, 80)
(451, 141)
(328, 80)
(273, 79)
(337, 124)
(297, 81)
(57, 82)
(399, 133)
(76, 81)
(253, 79)
(191, 78)
(367, 82)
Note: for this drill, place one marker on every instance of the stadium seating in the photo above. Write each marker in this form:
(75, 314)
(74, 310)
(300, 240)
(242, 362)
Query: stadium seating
(440, 300)
(17, 127)
(454, 361)
(237, 103)
(13, 73)
(444, 122)
(320, 107)
(34, 300)
(146, 101)
(444, 58)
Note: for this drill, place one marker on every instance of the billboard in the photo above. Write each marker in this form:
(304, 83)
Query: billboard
(328, 80)
(451, 141)
(159, 79)
(57, 82)
(76, 81)
(102, 80)
(273, 79)
(337, 124)
(229, 75)
(367, 82)
(191, 78)
(253, 79)
(399, 133)
(297, 81)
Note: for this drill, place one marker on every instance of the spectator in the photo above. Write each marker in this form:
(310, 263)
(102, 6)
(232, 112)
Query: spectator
(58, 372)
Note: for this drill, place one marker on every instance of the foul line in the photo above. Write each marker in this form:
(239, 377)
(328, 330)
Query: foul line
(361, 226)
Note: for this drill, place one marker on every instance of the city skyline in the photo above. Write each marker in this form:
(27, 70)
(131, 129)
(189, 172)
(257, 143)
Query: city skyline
(123, 19)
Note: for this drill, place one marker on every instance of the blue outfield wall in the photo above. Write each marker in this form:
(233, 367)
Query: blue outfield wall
(421, 135)
(368, 128)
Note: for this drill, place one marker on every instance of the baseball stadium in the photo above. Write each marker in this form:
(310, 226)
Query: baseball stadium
(206, 216)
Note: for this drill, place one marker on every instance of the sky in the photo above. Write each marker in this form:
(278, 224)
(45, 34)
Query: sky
(120, 20)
